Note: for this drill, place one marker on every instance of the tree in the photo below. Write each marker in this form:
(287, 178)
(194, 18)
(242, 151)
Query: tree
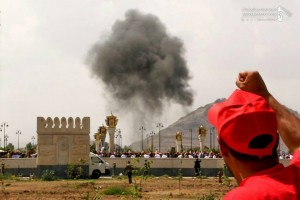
(10, 147)
(30, 148)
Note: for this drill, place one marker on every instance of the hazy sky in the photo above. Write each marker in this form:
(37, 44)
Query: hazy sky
(44, 45)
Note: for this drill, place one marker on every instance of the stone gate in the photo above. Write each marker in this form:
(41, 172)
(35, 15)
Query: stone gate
(61, 142)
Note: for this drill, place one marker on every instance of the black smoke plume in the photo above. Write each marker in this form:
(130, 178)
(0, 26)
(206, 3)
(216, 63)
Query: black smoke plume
(142, 66)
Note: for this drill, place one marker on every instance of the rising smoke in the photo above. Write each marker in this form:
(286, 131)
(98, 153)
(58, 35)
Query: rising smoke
(142, 66)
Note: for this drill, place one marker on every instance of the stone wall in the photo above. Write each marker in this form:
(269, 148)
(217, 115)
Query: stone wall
(171, 166)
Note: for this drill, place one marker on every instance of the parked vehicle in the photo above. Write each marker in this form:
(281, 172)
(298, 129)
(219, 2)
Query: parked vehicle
(98, 166)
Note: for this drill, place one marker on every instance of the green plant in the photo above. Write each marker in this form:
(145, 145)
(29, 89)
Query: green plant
(137, 186)
(117, 190)
(74, 172)
(227, 181)
(121, 177)
(94, 195)
(165, 176)
(210, 196)
(7, 177)
(48, 175)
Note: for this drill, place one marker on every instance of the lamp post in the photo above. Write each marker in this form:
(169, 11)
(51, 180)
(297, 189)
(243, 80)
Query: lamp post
(18, 133)
(147, 144)
(120, 141)
(5, 141)
(142, 128)
(116, 139)
(191, 139)
(159, 125)
(3, 125)
(33, 138)
(212, 137)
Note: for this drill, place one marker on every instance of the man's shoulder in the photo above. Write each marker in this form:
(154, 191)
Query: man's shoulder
(296, 158)
(265, 186)
(251, 193)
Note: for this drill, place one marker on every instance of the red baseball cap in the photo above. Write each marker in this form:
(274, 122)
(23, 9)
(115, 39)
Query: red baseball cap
(243, 117)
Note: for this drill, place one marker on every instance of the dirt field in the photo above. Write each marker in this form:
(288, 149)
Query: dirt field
(151, 188)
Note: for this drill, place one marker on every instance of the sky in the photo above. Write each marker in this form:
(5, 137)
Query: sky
(44, 47)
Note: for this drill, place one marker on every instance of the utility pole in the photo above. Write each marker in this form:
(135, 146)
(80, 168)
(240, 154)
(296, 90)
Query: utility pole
(191, 140)
(33, 138)
(18, 133)
(142, 128)
(4, 125)
(159, 125)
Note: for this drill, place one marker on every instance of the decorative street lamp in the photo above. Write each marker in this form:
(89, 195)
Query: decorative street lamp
(18, 133)
(142, 128)
(179, 141)
(3, 125)
(159, 125)
(118, 135)
(202, 135)
(152, 134)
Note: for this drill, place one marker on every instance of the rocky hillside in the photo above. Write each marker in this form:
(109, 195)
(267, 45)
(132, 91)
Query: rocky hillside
(188, 125)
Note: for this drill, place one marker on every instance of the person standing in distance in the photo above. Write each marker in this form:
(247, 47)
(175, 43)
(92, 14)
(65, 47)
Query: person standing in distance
(248, 123)
(197, 167)
(128, 170)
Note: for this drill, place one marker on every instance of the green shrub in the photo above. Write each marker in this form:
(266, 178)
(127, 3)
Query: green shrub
(117, 190)
(7, 177)
(48, 175)
(74, 172)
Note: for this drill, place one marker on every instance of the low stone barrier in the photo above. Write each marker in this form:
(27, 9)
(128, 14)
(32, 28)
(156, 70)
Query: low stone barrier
(18, 166)
(158, 166)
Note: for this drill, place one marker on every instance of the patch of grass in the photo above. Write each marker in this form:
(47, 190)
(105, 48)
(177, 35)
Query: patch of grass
(120, 177)
(210, 196)
(7, 177)
(117, 190)
(164, 176)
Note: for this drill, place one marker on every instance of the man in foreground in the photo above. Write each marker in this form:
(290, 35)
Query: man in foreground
(247, 124)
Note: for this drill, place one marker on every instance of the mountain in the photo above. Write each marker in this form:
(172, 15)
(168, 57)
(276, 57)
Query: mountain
(189, 126)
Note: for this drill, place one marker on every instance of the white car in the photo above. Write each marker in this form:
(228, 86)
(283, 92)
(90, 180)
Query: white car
(98, 166)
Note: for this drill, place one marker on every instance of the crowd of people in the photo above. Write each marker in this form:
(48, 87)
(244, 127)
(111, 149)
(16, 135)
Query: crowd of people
(196, 154)
(17, 154)
(157, 154)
